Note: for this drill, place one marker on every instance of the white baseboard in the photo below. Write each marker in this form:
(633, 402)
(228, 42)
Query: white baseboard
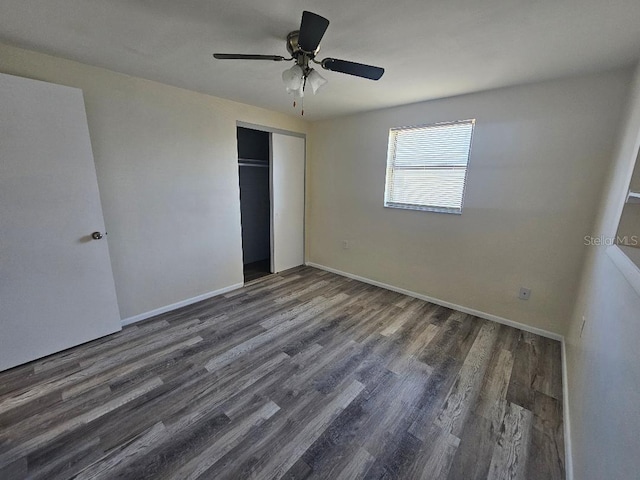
(460, 308)
(183, 303)
(568, 457)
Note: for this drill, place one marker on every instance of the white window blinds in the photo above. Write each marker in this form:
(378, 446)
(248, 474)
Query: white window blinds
(427, 166)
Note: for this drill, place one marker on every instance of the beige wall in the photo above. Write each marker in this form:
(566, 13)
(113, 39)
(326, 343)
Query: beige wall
(539, 155)
(603, 363)
(167, 170)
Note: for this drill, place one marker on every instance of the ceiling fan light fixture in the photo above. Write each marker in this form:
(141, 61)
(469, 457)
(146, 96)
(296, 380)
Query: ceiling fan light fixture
(315, 80)
(293, 78)
(299, 92)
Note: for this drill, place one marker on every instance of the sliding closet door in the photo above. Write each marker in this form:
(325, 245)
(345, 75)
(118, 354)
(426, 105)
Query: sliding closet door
(287, 176)
(56, 283)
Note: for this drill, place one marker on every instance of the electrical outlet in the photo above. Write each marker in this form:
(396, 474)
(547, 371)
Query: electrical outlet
(345, 244)
(524, 294)
(584, 321)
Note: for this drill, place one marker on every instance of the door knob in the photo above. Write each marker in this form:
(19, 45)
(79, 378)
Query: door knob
(96, 235)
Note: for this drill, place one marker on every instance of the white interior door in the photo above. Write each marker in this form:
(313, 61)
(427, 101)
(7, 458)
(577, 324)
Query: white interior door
(56, 283)
(287, 177)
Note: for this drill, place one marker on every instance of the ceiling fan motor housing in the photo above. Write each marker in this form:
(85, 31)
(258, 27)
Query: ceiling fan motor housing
(301, 57)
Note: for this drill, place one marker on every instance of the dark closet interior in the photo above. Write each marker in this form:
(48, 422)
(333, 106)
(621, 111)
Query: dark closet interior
(253, 166)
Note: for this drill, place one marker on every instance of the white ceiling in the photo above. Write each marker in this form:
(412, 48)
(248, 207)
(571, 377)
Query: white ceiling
(429, 49)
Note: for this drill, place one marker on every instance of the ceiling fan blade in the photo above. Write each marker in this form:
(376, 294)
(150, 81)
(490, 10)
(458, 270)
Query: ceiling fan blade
(312, 30)
(241, 56)
(353, 68)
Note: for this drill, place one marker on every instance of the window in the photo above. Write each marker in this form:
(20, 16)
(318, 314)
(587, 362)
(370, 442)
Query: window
(427, 166)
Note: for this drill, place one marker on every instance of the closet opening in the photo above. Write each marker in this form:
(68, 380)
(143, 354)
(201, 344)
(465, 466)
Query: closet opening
(255, 202)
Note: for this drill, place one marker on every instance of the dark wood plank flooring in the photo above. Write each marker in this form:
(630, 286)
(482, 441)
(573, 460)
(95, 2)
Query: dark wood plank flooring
(300, 375)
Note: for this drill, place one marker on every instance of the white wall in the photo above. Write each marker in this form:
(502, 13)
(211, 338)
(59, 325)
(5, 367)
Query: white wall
(539, 154)
(604, 364)
(167, 169)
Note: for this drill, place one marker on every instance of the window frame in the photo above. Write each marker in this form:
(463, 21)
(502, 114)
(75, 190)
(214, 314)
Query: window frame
(391, 168)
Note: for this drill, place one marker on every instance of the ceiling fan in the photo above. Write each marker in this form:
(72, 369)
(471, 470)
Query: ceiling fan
(303, 45)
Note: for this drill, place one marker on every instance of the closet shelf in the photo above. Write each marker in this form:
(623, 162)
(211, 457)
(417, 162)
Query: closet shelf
(634, 197)
(254, 160)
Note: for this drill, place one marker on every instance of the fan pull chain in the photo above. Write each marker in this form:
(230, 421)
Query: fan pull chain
(304, 85)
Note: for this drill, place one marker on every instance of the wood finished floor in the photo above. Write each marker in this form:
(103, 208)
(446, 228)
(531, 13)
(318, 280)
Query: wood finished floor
(299, 375)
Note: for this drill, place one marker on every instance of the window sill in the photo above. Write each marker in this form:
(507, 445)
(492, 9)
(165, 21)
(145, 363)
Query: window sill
(627, 260)
(418, 208)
